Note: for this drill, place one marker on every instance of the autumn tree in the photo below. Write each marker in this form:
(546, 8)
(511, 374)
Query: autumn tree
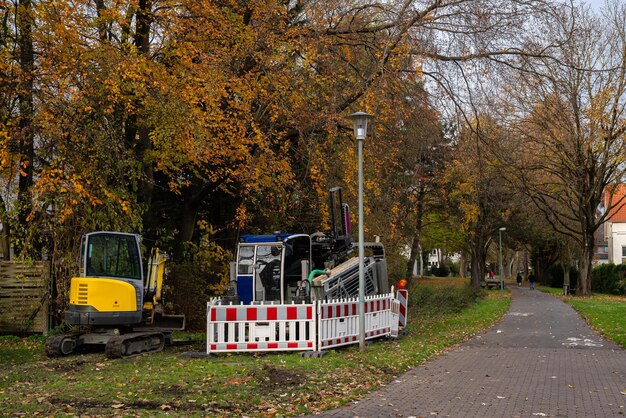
(571, 126)
(477, 191)
(194, 121)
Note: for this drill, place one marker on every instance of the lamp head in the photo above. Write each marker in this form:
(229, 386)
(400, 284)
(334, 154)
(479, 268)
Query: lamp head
(359, 121)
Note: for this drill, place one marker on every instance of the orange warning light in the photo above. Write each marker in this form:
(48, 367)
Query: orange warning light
(402, 283)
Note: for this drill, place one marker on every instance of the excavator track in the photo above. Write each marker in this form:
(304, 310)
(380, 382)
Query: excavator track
(134, 344)
(61, 345)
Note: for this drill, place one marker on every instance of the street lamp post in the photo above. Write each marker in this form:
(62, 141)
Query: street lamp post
(359, 121)
(501, 272)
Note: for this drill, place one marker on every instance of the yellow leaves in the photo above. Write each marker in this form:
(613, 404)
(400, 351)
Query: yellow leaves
(69, 192)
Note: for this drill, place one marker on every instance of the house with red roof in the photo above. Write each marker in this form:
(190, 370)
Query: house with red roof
(615, 226)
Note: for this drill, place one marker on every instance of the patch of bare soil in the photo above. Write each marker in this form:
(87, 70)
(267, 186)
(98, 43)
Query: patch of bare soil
(278, 379)
(69, 366)
(89, 406)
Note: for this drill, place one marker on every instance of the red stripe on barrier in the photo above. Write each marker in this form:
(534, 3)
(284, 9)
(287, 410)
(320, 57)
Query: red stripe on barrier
(292, 345)
(292, 313)
(309, 312)
(231, 314)
(213, 315)
(251, 314)
(213, 346)
(338, 311)
(354, 311)
(272, 345)
(378, 305)
(346, 310)
(309, 344)
(252, 346)
(272, 313)
(231, 346)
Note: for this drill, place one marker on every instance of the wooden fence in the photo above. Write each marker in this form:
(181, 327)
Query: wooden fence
(24, 296)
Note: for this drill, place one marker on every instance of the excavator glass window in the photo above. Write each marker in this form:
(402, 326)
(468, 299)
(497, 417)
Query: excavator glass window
(246, 259)
(268, 258)
(113, 255)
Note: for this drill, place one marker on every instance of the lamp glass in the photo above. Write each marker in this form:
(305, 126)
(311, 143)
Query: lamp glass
(359, 121)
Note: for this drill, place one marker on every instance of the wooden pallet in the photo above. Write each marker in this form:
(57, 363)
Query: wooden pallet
(24, 295)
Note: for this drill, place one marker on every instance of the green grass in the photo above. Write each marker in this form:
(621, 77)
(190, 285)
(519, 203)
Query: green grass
(604, 313)
(441, 313)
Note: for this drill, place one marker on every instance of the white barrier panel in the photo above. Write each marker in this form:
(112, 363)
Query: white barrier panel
(339, 320)
(232, 328)
(395, 318)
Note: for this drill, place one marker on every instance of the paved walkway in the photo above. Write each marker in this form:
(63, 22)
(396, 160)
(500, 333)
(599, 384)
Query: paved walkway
(540, 360)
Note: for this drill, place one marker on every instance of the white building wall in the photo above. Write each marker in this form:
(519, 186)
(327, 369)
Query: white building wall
(617, 241)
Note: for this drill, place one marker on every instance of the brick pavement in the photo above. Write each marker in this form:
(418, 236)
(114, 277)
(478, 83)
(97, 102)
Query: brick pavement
(540, 360)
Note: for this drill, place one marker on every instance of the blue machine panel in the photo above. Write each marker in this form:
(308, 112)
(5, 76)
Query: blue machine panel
(264, 238)
(245, 289)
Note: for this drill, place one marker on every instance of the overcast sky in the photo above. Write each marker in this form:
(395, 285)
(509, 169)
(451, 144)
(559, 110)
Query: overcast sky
(596, 4)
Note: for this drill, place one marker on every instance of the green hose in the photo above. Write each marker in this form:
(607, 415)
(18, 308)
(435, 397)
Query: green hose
(314, 273)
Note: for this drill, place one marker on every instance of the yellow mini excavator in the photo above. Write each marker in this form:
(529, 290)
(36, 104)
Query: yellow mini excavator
(112, 303)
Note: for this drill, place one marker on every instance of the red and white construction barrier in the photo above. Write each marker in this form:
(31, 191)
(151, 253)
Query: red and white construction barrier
(339, 320)
(403, 298)
(233, 328)
(303, 327)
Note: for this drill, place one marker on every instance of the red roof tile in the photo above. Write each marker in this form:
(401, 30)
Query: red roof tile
(617, 213)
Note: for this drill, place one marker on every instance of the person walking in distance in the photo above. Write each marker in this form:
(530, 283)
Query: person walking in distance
(519, 279)
(531, 280)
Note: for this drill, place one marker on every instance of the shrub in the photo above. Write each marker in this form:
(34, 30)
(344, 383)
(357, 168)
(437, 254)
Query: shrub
(438, 299)
(609, 278)
(441, 271)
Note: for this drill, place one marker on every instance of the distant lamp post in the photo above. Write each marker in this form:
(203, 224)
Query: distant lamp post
(359, 121)
(501, 271)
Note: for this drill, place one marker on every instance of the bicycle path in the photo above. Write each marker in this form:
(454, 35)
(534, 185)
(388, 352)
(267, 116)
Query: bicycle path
(541, 359)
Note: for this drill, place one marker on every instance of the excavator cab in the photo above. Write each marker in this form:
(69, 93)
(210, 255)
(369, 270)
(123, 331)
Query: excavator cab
(269, 267)
(110, 289)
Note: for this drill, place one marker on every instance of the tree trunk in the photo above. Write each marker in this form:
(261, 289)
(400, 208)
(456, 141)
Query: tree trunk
(5, 235)
(566, 280)
(478, 265)
(415, 246)
(191, 205)
(144, 144)
(584, 283)
(25, 104)
(421, 254)
(566, 262)
(187, 227)
(410, 265)
(462, 266)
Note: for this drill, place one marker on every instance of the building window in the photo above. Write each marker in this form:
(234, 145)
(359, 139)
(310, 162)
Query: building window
(624, 254)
